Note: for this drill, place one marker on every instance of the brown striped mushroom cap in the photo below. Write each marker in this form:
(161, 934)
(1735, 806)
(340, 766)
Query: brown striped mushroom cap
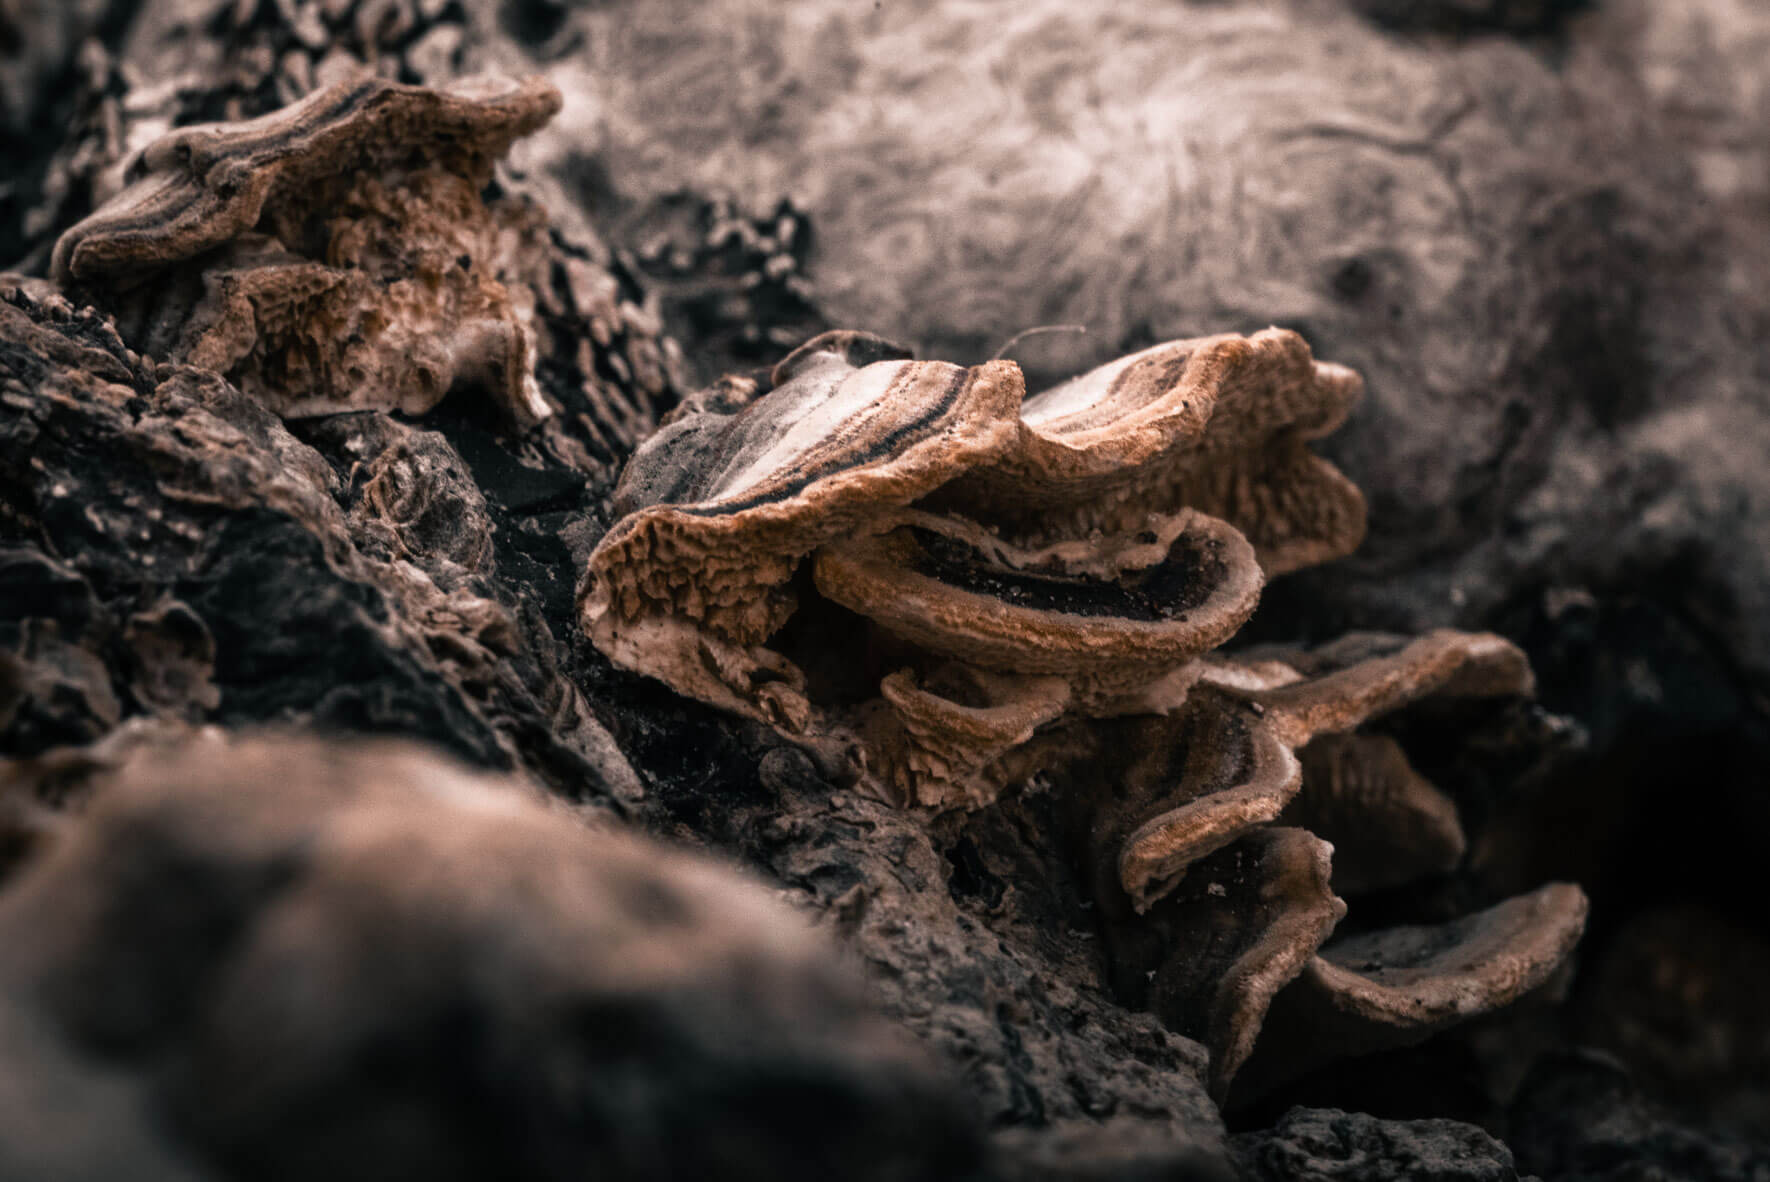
(1220, 424)
(333, 255)
(719, 509)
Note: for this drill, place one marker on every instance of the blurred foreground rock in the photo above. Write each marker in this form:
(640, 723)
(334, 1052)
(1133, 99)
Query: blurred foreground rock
(287, 958)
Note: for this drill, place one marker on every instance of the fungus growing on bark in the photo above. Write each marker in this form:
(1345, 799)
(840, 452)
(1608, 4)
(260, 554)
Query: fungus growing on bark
(918, 486)
(1155, 830)
(334, 255)
(999, 592)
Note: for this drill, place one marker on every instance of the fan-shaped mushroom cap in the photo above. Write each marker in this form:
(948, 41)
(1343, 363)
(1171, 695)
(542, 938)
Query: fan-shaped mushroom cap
(1117, 609)
(332, 255)
(721, 508)
(1218, 424)
(1397, 986)
(1209, 958)
(202, 186)
(1363, 675)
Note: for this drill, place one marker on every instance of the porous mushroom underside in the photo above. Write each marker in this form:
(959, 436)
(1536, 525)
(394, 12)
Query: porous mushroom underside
(958, 588)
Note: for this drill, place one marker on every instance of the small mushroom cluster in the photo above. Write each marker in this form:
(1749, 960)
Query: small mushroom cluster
(964, 588)
(338, 254)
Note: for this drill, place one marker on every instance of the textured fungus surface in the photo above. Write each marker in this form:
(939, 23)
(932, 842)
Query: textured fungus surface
(1179, 813)
(1052, 536)
(720, 509)
(1051, 597)
(334, 255)
(1121, 608)
(1220, 425)
(1398, 986)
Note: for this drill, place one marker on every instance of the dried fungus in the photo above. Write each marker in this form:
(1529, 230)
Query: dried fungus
(1119, 609)
(1397, 986)
(1220, 425)
(721, 508)
(338, 254)
(1154, 829)
(970, 590)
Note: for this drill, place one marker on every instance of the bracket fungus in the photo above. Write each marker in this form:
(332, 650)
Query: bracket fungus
(1052, 535)
(1173, 803)
(968, 589)
(719, 509)
(1396, 986)
(338, 254)
(1219, 424)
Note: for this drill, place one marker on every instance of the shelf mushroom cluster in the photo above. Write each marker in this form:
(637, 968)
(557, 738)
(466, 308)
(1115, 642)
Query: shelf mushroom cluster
(969, 588)
(338, 254)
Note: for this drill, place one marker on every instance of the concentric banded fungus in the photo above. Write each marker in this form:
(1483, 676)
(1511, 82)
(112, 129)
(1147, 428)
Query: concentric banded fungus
(336, 254)
(1219, 424)
(720, 509)
(1043, 591)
